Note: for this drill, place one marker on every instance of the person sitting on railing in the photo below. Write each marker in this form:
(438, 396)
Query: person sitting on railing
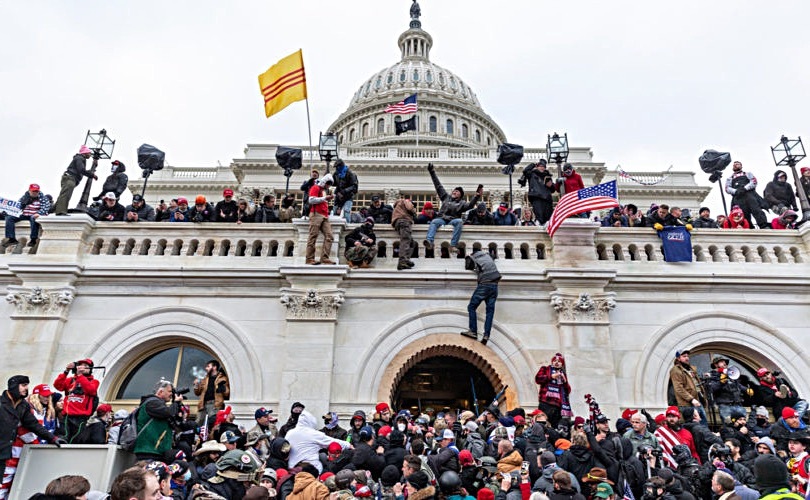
(705, 221)
(785, 221)
(634, 216)
(378, 211)
(33, 205)
(361, 245)
(451, 211)
(480, 216)
(527, 218)
(615, 219)
(267, 212)
(289, 209)
(503, 216)
(180, 212)
(139, 211)
(736, 219)
(202, 211)
(779, 194)
(244, 212)
(110, 209)
(346, 187)
(427, 214)
(226, 209)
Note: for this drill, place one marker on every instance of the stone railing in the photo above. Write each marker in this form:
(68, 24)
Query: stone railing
(576, 242)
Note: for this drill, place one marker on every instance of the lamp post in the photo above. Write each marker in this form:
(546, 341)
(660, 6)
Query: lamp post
(102, 147)
(790, 152)
(557, 150)
(328, 147)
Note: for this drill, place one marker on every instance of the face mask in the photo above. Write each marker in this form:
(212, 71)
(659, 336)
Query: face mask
(187, 476)
(401, 427)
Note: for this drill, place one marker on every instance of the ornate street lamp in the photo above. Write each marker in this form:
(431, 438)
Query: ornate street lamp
(557, 150)
(328, 148)
(102, 147)
(790, 152)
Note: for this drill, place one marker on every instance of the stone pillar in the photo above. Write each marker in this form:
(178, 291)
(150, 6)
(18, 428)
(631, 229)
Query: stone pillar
(583, 306)
(312, 303)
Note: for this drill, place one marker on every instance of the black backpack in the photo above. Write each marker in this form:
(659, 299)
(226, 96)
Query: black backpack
(129, 432)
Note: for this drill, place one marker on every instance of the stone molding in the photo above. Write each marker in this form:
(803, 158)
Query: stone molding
(312, 304)
(40, 303)
(582, 308)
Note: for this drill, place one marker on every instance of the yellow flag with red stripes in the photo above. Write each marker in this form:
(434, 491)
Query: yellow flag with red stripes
(284, 83)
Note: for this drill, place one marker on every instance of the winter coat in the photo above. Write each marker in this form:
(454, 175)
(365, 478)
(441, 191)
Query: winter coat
(779, 192)
(484, 267)
(566, 495)
(544, 380)
(479, 217)
(704, 438)
(145, 214)
(44, 203)
(538, 189)
(451, 209)
(648, 439)
(427, 493)
(203, 214)
(675, 488)
(508, 218)
(610, 221)
(443, 460)
(545, 484)
(725, 390)
(222, 391)
(579, 460)
(115, 182)
(307, 487)
(17, 414)
(366, 458)
(395, 455)
(306, 441)
(381, 214)
(154, 426)
(78, 168)
(346, 185)
(225, 211)
(476, 445)
(266, 214)
(116, 211)
(403, 209)
(781, 222)
(336, 432)
(277, 459)
(685, 382)
(704, 223)
(510, 462)
(572, 182)
(781, 432)
(357, 235)
(80, 393)
(731, 431)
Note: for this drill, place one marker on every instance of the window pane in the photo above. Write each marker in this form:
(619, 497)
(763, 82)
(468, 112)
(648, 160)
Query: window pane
(194, 361)
(141, 381)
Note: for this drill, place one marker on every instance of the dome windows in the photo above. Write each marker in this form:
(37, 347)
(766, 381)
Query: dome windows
(390, 78)
(429, 76)
(465, 131)
(433, 124)
(416, 75)
(441, 79)
(402, 76)
(368, 87)
(365, 129)
(453, 84)
(449, 127)
(477, 136)
(380, 126)
(378, 83)
(351, 135)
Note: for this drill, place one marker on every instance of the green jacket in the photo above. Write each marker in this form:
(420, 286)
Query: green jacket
(154, 426)
(783, 493)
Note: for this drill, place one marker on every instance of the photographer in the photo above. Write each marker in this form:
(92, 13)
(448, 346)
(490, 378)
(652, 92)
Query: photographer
(202, 211)
(155, 422)
(80, 396)
(720, 459)
(139, 211)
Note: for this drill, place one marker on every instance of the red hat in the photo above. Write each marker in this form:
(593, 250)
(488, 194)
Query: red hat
(673, 410)
(334, 448)
(659, 419)
(762, 372)
(86, 361)
(281, 473)
(381, 407)
(33, 187)
(465, 458)
(562, 444)
(579, 421)
(222, 415)
(537, 411)
(805, 169)
(182, 200)
(227, 192)
(558, 357)
(103, 408)
(384, 431)
(326, 475)
(485, 494)
(199, 200)
(428, 205)
(628, 413)
(43, 390)
(519, 420)
(788, 412)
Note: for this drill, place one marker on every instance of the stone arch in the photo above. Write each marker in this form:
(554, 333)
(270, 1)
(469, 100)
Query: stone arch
(755, 341)
(131, 337)
(413, 337)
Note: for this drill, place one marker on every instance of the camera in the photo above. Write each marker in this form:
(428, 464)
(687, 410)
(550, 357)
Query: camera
(181, 392)
(647, 451)
(198, 217)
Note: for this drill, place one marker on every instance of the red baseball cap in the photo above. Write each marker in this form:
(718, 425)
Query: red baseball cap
(227, 192)
(673, 410)
(762, 372)
(43, 390)
(33, 187)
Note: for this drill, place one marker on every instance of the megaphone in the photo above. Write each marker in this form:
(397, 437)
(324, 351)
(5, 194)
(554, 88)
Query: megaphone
(733, 372)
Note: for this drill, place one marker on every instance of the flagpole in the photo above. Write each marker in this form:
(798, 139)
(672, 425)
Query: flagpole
(417, 121)
(309, 131)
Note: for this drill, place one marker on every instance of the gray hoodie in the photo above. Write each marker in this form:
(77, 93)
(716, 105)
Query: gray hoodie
(545, 484)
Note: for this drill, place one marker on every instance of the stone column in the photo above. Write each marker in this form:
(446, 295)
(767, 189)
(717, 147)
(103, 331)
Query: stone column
(312, 303)
(582, 305)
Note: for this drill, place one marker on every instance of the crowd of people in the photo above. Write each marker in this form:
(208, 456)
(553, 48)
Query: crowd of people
(338, 196)
(501, 453)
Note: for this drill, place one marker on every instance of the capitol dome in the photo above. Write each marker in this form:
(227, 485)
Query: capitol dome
(449, 111)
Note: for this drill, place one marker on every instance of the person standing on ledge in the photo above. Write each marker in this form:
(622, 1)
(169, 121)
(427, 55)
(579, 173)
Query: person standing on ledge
(72, 176)
(486, 291)
(319, 220)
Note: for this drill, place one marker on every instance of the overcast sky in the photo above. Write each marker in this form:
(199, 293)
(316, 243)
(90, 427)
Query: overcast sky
(645, 84)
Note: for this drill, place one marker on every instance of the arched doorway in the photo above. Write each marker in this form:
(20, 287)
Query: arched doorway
(443, 382)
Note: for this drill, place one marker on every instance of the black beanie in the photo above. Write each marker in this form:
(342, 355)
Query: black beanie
(390, 475)
(622, 425)
(688, 414)
(460, 190)
(418, 480)
(14, 385)
(771, 473)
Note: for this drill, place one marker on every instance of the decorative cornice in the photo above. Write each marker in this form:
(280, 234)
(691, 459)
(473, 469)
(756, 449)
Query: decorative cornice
(40, 303)
(312, 304)
(582, 309)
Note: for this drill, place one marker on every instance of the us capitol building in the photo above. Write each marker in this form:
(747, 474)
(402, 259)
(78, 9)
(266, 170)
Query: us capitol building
(152, 300)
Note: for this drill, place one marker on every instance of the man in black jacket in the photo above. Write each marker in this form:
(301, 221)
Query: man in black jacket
(380, 212)
(110, 209)
(16, 420)
(346, 187)
(451, 211)
(366, 457)
(115, 182)
(361, 245)
(486, 291)
(72, 176)
(541, 185)
(139, 211)
(267, 211)
(226, 209)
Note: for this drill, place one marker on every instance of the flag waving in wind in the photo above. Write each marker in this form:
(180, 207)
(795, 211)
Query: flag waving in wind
(404, 126)
(406, 106)
(583, 200)
(283, 84)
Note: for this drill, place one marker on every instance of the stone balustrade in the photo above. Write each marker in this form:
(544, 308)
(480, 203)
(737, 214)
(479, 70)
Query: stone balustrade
(605, 246)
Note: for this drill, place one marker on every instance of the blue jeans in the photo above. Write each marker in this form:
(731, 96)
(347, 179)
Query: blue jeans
(725, 411)
(485, 292)
(435, 224)
(347, 210)
(801, 408)
(12, 221)
(700, 411)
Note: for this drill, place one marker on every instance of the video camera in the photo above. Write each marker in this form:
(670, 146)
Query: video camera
(182, 392)
(646, 451)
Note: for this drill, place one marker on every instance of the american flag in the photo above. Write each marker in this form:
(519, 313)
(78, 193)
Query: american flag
(583, 200)
(406, 106)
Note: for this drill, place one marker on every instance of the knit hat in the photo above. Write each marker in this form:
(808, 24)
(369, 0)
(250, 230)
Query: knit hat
(390, 475)
(558, 357)
(579, 421)
(471, 426)
(771, 473)
(562, 444)
(459, 189)
(419, 480)
(737, 413)
(788, 412)
(547, 458)
(396, 438)
(485, 494)
(199, 200)
(381, 407)
(465, 457)
(428, 206)
(182, 201)
(805, 169)
(762, 412)
(623, 424)
(665, 474)
(384, 431)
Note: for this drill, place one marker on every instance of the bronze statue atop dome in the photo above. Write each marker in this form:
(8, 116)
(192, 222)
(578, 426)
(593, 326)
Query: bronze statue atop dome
(416, 13)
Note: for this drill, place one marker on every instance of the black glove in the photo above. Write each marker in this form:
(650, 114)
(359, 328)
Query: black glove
(522, 182)
(457, 427)
(221, 387)
(430, 167)
(58, 442)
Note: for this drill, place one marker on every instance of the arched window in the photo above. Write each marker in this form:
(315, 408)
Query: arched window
(477, 135)
(489, 141)
(402, 76)
(449, 127)
(397, 118)
(433, 124)
(465, 130)
(365, 129)
(351, 135)
(416, 75)
(378, 83)
(390, 78)
(380, 126)
(429, 77)
(453, 84)
(180, 365)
